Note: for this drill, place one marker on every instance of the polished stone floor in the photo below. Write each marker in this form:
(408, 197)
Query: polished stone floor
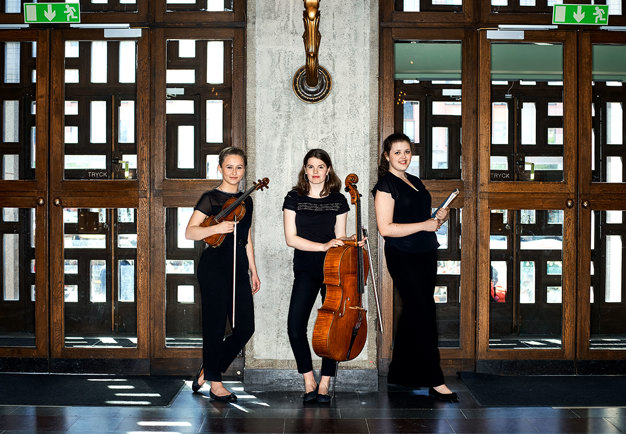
(391, 409)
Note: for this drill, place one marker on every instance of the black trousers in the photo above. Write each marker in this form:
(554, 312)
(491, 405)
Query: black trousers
(306, 286)
(215, 281)
(415, 357)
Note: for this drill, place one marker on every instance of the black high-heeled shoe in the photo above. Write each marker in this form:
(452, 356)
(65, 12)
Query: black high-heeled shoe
(226, 398)
(195, 386)
(310, 396)
(446, 397)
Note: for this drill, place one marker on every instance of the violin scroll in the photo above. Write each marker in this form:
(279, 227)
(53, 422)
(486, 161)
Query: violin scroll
(261, 184)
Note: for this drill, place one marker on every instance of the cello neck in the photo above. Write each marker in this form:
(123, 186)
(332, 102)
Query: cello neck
(359, 237)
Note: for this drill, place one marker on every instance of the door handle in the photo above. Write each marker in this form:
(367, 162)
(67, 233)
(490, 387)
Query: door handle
(586, 204)
(569, 203)
(41, 201)
(57, 202)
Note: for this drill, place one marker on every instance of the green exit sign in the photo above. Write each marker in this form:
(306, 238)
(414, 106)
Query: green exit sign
(581, 14)
(52, 12)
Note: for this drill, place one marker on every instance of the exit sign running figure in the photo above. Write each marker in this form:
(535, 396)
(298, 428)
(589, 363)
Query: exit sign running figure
(581, 14)
(51, 13)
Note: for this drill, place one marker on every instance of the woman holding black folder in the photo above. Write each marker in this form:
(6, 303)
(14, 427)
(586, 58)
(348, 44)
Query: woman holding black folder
(403, 215)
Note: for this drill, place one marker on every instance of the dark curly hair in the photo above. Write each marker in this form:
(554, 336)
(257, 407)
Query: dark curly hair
(332, 185)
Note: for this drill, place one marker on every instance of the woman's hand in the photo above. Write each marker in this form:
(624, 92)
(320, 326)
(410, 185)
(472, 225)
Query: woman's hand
(225, 227)
(360, 243)
(335, 242)
(442, 215)
(256, 283)
(430, 225)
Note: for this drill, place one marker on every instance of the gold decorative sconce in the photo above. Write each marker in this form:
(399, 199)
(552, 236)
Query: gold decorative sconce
(312, 82)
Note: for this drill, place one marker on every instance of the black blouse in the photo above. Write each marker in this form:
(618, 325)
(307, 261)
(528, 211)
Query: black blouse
(315, 221)
(211, 204)
(410, 207)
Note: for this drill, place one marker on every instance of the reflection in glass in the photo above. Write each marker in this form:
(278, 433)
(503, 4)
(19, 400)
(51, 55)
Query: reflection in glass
(614, 266)
(126, 113)
(214, 121)
(184, 214)
(607, 302)
(614, 121)
(527, 111)
(126, 282)
(212, 172)
(98, 281)
(100, 277)
(183, 315)
(215, 62)
(10, 267)
(186, 48)
(440, 148)
(127, 52)
(98, 126)
(99, 61)
(411, 122)
(525, 291)
(182, 76)
(11, 121)
(614, 169)
(186, 146)
(529, 123)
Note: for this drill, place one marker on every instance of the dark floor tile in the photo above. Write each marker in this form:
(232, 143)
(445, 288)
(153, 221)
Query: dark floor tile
(92, 424)
(7, 409)
(492, 425)
(584, 425)
(408, 425)
(161, 423)
(513, 412)
(243, 425)
(618, 422)
(325, 425)
(70, 411)
(600, 412)
(401, 413)
(36, 423)
(249, 410)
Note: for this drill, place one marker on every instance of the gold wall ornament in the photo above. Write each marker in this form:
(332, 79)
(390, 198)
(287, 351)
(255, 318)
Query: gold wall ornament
(312, 82)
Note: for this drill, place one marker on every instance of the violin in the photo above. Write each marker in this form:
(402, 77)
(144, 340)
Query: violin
(341, 325)
(233, 210)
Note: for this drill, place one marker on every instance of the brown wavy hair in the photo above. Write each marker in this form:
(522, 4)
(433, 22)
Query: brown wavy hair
(332, 185)
(383, 164)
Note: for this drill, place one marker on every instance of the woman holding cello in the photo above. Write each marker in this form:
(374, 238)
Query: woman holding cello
(215, 280)
(314, 216)
(403, 216)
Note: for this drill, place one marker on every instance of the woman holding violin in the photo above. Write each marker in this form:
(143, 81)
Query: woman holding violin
(314, 216)
(216, 279)
(403, 215)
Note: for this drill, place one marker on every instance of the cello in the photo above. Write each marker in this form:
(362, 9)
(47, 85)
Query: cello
(341, 326)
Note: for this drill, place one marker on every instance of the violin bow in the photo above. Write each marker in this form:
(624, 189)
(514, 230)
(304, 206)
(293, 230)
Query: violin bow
(234, 267)
(380, 317)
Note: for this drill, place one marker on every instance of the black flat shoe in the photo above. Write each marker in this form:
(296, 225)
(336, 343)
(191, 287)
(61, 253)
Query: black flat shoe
(310, 396)
(446, 397)
(195, 386)
(226, 398)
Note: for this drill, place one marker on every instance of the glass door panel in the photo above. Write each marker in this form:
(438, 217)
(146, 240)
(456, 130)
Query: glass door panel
(525, 279)
(428, 102)
(608, 115)
(18, 109)
(607, 292)
(199, 94)
(183, 316)
(526, 112)
(18, 283)
(99, 132)
(100, 277)
(448, 282)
